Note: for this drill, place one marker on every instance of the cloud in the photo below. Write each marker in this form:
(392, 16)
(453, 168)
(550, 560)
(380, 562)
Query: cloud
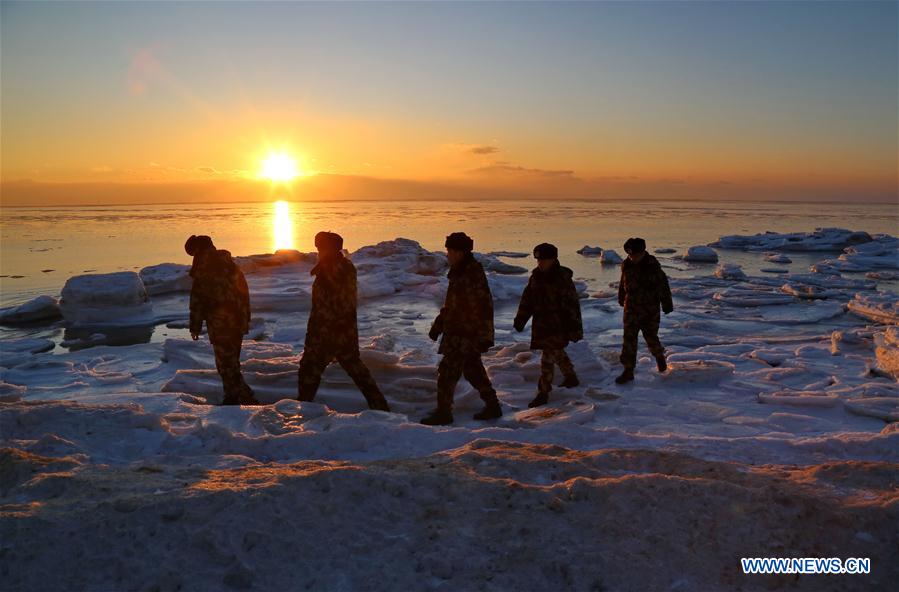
(479, 149)
(504, 169)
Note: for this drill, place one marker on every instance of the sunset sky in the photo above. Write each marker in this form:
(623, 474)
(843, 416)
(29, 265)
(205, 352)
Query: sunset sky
(138, 102)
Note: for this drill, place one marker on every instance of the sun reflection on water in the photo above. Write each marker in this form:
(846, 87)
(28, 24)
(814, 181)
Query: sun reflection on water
(282, 226)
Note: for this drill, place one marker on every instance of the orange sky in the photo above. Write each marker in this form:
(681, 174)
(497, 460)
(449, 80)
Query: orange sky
(145, 103)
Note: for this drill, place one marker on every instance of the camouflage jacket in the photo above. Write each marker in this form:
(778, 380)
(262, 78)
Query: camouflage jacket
(551, 299)
(466, 319)
(644, 284)
(332, 326)
(219, 295)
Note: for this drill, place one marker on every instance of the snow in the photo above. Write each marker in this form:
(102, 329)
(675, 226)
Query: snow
(42, 308)
(773, 393)
(106, 299)
(701, 254)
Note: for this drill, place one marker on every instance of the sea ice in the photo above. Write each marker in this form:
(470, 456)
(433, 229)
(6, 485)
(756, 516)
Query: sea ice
(42, 308)
(106, 299)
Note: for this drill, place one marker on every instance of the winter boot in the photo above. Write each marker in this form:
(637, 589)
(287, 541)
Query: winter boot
(248, 397)
(379, 404)
(626, 376)
(570, 381)
(491, 410)
(540, 399)
(438, 417)
(661, 363)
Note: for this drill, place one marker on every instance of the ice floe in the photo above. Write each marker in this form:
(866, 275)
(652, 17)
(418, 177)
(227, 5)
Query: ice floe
(106, 299)
(42, 308)
(700, 254)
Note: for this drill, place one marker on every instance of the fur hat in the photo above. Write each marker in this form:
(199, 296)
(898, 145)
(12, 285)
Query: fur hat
(331, 239)
(634, 245)
(546, 251)
(196, 244)
(459, 241)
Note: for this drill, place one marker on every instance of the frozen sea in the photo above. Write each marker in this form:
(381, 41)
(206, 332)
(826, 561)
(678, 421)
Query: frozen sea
(774, 432)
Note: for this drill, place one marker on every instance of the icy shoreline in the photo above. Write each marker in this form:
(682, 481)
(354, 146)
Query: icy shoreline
(789, 380)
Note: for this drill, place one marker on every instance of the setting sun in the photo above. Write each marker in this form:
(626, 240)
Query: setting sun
(280, 167)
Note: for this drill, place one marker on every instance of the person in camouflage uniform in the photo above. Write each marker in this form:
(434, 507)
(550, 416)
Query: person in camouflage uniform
(220, 297)
(642, 290)
(466, 325)
(551, 299)
(332, 332)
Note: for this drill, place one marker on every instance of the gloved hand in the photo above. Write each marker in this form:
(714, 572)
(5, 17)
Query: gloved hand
(519, 324)
(436, 328)
(484, 345)
(667, 309)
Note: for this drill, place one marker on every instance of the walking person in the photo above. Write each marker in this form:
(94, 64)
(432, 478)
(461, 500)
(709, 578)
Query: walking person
(550, 299)
(332, 331)
(220, 297)
(465, 329)
(642, 291)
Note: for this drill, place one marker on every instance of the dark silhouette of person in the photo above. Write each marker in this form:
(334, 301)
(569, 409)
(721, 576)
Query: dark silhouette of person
(466, 325)
(642, 290)
(551, 299)
(332, 332)
(220, 297)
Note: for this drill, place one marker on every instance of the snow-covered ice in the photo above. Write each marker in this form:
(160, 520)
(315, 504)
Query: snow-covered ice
(41, 308)
(701, 254)
(106, 299)
(781, 402)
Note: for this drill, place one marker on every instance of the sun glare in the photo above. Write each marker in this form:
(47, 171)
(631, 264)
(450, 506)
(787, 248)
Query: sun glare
(282, 226)
(280, 167)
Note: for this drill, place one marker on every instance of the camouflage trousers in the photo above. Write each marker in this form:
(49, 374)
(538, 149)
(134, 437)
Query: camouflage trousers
(548, 361)
(645, 319)
(313, 364)
(227, 361)
(453, 366)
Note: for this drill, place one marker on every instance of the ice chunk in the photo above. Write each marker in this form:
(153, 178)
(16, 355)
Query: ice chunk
(109, 299)
(774, 270)
(886, 349)
(42, 308)
(701, 254)
(730, 271)
(571, 412)
(805, 291)
(610, 257)
(166, 277)
(777, 258)
(697, 371)
(885, 408)
(510, 254)
(800, 398)
(880, 307)
(886, 276)
(747, 297)
(665, 251)
(589, 251)
(822, 239)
